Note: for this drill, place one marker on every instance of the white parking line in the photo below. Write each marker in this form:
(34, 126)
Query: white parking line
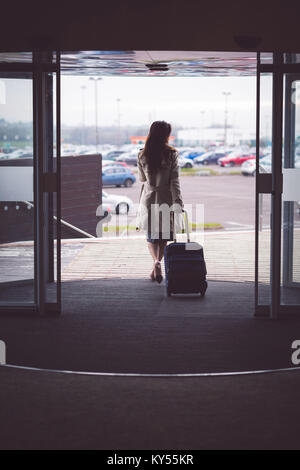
(230, 222)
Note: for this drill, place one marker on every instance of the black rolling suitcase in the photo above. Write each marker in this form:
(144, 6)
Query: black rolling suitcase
(185, 266)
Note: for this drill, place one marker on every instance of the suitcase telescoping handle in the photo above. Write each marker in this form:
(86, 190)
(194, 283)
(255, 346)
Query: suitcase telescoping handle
(186, 221)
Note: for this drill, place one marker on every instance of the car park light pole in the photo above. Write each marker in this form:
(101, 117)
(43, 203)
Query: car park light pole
(119, 121)
(226, 94)
(96, 80)
(202, 125)
(83, 87)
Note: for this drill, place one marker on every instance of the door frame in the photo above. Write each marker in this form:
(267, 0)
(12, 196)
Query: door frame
(289, 143)
(47, 177)
(44, 182)
(272, 183)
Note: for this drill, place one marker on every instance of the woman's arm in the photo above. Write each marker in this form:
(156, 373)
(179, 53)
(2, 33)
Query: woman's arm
(175, 184)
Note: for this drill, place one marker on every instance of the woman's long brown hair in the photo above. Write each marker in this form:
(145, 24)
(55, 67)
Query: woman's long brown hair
(157, 144)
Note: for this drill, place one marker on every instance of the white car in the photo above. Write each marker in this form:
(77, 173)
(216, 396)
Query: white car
(106, 212)
(248, 168)
(265, 164)
(117, 204)
(15, 154)
(185, 162)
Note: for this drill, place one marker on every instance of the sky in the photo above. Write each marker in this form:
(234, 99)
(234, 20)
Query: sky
(188, 102)
(184, 101)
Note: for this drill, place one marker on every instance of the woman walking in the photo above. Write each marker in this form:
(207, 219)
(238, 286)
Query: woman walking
(160, 195)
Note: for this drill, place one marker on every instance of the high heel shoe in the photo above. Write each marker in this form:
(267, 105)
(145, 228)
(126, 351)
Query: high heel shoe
(157, 272)
(152, 276)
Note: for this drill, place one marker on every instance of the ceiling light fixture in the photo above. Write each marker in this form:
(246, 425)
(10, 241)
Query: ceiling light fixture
(157, 67)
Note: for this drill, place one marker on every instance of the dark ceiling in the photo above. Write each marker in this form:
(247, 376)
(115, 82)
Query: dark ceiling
(151, 25)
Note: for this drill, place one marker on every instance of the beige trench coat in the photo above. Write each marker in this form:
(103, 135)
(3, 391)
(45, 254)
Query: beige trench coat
(160, 193)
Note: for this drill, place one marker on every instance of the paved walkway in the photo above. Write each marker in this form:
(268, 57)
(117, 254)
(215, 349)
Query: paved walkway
(229, 257)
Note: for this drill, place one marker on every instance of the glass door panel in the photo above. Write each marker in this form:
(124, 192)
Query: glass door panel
(290, 253)
(263, 190)
(17, 232)
(30, 182)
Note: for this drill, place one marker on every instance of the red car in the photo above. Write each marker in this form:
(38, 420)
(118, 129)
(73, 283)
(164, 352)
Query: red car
(233, 159)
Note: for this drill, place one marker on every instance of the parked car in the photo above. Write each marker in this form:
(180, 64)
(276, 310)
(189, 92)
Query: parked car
(106, 211)
(114, 154)
(265, 164)
(117, 176)
(116, 203)
(193, 154)
(15, 154)
(233, 159)
(128, 158)
(112, 163)
(248, 168)
(185, 162)
(209, 158)
(183, 151)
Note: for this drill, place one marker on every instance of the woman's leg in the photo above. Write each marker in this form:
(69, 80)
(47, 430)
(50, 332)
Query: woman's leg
(157, 266)
(161, 250)
(154, 250)
(157, 250)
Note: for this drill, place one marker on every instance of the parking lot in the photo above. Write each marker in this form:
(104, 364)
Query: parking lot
(229, 199)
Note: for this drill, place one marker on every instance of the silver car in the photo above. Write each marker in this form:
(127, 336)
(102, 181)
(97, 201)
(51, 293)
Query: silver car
(248, 168)
(117, 204)
(185, 162)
